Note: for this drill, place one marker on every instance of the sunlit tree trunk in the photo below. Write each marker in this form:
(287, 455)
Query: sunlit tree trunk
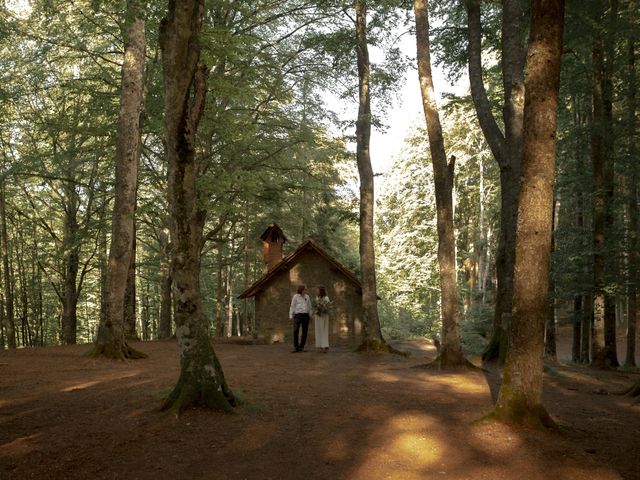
(372, 334)
(201, 379)
(451, 345)
(111, 341)
(519, 398)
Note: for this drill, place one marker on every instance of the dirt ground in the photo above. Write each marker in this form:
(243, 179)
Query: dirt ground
(339, 415)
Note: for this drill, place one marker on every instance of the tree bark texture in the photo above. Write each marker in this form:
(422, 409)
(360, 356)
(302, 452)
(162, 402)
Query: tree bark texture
(111, 341)
(201, 379)
(519, 398)
(451, 346)
(371, 332)
(506, 148)
(9, 320)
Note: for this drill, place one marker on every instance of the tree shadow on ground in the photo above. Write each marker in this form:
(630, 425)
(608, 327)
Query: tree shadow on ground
(311, 415)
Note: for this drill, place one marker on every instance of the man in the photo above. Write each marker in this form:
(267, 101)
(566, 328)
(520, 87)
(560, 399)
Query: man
(299, 312)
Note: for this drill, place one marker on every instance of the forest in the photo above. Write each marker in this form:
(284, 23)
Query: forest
(145, 145)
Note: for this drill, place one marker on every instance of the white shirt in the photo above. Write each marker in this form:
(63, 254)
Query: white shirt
(300, 304)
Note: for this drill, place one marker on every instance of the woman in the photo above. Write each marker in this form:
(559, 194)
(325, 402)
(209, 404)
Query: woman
(321, 308)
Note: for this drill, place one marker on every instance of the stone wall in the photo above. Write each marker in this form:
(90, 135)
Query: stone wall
(272, 304)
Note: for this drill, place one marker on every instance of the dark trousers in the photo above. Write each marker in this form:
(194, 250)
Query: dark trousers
(300, 319)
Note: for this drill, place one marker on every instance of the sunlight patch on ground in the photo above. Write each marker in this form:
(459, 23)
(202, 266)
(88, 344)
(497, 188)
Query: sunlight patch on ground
(384, 377)
(80, 386)
(19, 446)
(89, 384)
(495, 439)
(405, 447)
(460, 383)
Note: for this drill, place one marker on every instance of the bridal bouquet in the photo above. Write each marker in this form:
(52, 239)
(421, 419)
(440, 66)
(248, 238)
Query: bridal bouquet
(322, 306)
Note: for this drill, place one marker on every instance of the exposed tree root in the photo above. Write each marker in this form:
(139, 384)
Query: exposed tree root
(116, 352)
(632, 391)
(374, 345)
(450, 359)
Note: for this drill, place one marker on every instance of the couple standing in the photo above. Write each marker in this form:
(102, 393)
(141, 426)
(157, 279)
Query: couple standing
(301, 311)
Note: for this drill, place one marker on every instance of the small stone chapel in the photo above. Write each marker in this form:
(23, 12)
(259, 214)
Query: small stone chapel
(309, 265)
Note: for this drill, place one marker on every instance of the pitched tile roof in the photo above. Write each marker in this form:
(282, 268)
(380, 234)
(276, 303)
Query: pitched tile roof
(287, 262)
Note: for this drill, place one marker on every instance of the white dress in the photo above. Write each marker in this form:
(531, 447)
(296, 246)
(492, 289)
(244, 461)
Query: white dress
(322, 328)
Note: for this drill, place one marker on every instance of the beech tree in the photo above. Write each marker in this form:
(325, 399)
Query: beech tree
(372, 335)
(111, 340)
(451, 351)
(506, 147)
(519, 398)
(201, 379)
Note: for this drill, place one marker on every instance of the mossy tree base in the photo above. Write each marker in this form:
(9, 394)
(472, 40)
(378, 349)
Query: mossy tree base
(518, 412)
(199, 391)
(116, 352)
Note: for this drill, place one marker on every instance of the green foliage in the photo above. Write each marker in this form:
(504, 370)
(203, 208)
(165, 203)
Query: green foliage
(407, 237)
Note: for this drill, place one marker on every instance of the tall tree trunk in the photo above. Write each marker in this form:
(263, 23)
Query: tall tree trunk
(586, 327)
(71, 266)
(610, 336)
(634, 224)
(9, 321)
(111, 341)
(451, 346)
(219, 322)
(372, 334)
(246, 330)
(201, 379)
(229, 300)
(575, 323)
(506, 149)
(164, 324)
(601, 356)
(519, 399)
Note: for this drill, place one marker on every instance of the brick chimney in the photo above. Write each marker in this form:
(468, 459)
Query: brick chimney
(272, 241)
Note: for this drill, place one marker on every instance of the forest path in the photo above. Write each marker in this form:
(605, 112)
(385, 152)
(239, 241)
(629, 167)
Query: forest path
(310, 415)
